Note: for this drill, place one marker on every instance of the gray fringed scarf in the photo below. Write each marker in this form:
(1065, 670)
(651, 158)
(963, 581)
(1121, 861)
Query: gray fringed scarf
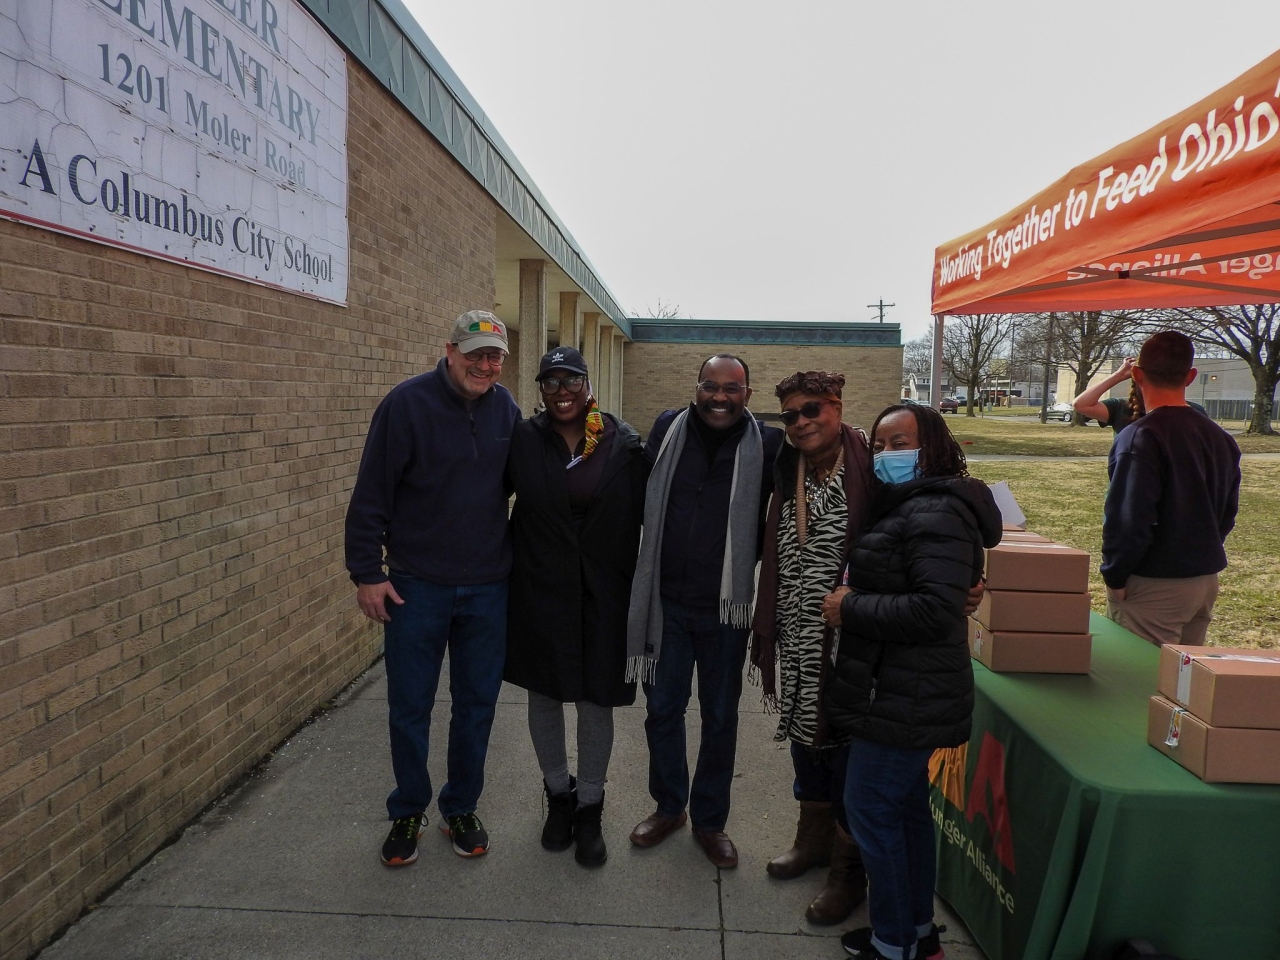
(737, 575)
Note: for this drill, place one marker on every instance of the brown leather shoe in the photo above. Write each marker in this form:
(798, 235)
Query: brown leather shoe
(718, 847)
(655, 828)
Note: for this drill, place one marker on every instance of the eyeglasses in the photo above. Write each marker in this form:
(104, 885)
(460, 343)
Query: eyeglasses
(550, 385)
(495, 357)
(728, 389)
(809, 411)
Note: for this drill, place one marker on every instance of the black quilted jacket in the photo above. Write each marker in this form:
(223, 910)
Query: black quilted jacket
(903, 676)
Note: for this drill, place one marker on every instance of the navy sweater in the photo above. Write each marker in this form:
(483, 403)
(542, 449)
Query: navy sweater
(1175, 488)
(430, 487)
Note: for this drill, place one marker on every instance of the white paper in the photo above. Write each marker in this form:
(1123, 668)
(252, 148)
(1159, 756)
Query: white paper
(1010, 512)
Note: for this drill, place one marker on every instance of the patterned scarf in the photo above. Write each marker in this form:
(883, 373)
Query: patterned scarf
(594, 432)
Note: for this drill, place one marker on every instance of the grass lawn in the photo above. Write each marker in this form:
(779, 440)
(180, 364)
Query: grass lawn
(1027, 435)
(1063, 501)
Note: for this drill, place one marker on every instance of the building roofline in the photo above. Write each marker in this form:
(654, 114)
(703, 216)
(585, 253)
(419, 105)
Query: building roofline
(384, 36)
(832, 332)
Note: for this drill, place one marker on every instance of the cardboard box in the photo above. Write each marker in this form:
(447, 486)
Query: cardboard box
(1049, 567)
(1214, 754)
(1030, 652)
(1223, 687)
(1026, 611)
(1022, 536)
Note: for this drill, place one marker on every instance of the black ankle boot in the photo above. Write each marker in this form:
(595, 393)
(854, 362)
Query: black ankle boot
(557, 832)
(591, 851)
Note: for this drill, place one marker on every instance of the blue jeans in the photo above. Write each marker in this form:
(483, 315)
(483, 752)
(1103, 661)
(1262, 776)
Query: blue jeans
(820, 776)
(472, 622)
(887, 801)
(695, 638)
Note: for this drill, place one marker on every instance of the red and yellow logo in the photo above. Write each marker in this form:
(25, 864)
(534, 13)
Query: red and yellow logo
(987, 797)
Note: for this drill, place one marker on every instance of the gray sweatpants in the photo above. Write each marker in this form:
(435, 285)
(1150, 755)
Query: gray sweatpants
(595, 744)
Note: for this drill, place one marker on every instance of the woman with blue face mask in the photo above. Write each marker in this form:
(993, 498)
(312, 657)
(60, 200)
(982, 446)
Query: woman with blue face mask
(903, 684)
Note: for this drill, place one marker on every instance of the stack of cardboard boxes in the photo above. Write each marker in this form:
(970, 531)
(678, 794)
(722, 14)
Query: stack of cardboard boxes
(1218, 713)
(1034, 615)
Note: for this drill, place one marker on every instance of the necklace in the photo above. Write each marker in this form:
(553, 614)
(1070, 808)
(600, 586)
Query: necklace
(815, 488)
(808, 489)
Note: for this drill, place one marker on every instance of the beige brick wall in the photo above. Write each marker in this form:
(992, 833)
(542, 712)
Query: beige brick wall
(659, 376)
(176, 454)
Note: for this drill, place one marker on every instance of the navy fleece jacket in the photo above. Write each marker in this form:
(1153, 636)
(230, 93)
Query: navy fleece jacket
(430, 487)
(1175, 489)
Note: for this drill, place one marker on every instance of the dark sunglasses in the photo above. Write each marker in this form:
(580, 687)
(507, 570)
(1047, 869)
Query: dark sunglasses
(550, 385)
(808, 410)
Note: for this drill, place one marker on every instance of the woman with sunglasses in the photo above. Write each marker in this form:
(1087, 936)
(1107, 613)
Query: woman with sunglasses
(822, 484)
(579, 479)
(903, 684)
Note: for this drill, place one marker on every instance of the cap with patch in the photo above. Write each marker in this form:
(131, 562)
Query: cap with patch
(561, 358)
(478, 329)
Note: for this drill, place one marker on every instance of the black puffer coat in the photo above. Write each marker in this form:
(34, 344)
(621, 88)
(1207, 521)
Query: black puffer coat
(571, 582)
(903, 676)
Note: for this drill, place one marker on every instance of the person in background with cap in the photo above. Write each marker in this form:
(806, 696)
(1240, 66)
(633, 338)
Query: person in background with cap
(430, 492)
(579, 478)
(691, 598)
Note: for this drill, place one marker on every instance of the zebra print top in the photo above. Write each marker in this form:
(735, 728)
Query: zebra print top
(805, 575)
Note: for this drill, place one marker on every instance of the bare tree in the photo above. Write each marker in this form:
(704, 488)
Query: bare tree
(1088, 338)
(917, 356)
(968, 346)
(1251, 333)
(665, 310)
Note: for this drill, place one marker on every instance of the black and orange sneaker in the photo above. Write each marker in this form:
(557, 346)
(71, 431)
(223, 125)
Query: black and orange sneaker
(467, 833)
(401, 846)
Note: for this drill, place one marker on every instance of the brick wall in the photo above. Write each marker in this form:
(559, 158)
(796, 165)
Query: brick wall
(659, 376)
(176, 454)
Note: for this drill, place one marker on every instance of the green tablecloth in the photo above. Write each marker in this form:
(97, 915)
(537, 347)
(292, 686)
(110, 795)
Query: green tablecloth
(1067, 833)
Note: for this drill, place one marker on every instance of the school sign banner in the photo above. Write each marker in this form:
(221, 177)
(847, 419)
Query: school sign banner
(211, 133)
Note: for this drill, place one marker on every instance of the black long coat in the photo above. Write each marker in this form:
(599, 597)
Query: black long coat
(571, 583)
(903, 676)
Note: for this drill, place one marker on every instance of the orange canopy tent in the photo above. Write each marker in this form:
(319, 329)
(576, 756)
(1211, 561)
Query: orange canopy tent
(1186, 214)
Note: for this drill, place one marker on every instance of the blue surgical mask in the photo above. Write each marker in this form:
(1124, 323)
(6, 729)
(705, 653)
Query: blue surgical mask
(897, 466)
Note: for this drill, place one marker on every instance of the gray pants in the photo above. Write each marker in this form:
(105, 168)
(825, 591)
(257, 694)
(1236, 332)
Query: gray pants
(1167, 610)
(595, 744)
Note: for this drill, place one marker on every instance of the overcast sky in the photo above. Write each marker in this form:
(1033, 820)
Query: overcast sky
(797, 161)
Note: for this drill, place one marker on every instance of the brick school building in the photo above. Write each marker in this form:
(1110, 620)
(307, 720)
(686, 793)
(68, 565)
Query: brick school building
(183, 399)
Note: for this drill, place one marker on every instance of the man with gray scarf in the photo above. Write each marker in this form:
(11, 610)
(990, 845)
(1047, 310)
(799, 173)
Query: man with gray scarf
(692, 593)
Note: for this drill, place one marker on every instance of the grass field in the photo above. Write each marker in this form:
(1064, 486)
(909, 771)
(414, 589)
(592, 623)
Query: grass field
(1027, 435)
(1063, 501)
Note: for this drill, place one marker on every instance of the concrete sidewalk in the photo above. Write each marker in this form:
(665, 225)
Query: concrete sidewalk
(286, 866)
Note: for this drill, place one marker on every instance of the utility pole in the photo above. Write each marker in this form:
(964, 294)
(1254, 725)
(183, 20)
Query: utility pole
(881, 307)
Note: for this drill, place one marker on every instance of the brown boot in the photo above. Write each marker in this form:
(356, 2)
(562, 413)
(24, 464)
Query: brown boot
(813, 842)
(846, 884)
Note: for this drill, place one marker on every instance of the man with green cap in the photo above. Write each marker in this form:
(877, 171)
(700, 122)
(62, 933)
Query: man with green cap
(430, 493)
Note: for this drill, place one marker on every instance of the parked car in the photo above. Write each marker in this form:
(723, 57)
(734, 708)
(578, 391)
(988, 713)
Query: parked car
(948, 405)
(1062, 411)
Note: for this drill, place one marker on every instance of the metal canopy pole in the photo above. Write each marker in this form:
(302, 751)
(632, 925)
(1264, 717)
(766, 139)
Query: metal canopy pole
(935, 374)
